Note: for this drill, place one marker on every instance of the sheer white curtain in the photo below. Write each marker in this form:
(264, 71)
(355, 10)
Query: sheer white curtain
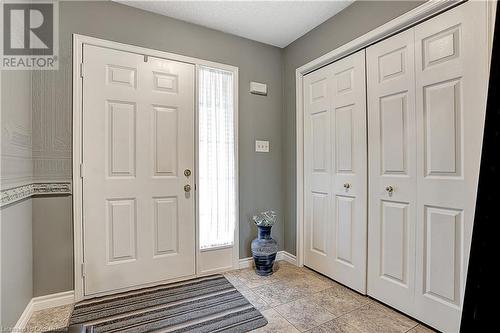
(216, 186)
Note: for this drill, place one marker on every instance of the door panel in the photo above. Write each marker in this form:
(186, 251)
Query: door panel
(138, 132)
(335, 164)
(451, 85)
(319, 226)
(318, 162)
(344, 222)
(391, 154)
(394, 242)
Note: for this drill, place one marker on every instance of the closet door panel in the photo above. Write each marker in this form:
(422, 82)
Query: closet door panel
(392, 170)
(317, 163)
(335, 162)
(451, 79)
(349, 179)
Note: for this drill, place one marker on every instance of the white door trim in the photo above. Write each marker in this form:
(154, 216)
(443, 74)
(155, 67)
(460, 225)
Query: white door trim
(78, 42)
(411, 18)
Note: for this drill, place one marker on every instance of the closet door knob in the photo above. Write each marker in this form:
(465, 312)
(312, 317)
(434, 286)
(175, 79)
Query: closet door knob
(187, 188)
(347, 186)
(389, 189)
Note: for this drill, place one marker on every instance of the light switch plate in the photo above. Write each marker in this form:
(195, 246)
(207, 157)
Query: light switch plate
(261, 146)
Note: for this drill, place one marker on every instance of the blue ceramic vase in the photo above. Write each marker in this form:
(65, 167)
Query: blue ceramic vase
(264, 250)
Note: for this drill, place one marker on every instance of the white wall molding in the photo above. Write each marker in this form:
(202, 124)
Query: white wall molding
(42, 303)
(288, 257)
(53, 300)
(15, 194)
(246, 262)
(400, 23)
(25, 317)
(280, 256)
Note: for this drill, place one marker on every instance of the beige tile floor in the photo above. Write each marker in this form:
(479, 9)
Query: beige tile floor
(293, 300)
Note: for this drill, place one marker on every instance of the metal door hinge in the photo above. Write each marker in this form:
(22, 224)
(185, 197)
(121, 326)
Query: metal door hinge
(81, 170)
(84, 273)
(81, 69)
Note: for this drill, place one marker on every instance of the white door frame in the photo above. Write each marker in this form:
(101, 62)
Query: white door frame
(409, 19)
(78, 42)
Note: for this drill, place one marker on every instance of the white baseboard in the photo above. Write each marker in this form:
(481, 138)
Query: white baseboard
(53, 300)
(288, 257)
(281, 255)
(246, 262)
(41, 303)
(25, 317)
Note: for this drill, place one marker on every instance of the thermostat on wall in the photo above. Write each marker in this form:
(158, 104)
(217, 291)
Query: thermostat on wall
(258, 88)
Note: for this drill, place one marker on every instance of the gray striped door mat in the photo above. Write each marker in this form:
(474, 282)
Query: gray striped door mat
(208, 304)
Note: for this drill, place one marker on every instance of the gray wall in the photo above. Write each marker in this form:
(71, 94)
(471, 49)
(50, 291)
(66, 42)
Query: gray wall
(354, 21)
(52, 245)
(17, 274)
(260, 177)
(16, 278)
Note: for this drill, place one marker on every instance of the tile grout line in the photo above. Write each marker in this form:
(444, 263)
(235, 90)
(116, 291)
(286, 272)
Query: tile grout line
(412, 328)
(304, 297)
(299, 300)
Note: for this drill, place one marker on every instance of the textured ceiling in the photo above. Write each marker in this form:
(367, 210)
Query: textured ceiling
(276, 23)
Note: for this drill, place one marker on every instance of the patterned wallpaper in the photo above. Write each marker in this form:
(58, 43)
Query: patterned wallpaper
(16, 134)
(51, 101)
(35, 134)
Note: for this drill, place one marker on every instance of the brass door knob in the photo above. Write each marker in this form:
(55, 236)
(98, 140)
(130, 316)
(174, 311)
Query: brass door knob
(187, 188)
(187, 172)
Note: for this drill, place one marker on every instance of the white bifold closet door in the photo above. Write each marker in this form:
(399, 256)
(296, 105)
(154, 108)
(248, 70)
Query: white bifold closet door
(426, 106)
(392, 158)
(335, 171)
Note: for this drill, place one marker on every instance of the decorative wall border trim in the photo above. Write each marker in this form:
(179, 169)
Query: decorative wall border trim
(19, 193)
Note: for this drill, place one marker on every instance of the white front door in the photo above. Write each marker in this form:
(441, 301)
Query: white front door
(335, 171)
(392, 173)
(138, 139)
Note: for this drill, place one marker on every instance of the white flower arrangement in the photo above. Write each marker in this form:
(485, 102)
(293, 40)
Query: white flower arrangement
(265, 219)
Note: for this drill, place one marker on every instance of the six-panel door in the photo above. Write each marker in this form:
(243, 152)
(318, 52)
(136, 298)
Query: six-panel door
(138, 138)
(392, 172)
(335, 166)
(451, 76)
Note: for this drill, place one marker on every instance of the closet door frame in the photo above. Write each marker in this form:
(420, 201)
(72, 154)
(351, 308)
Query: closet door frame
(419, 14)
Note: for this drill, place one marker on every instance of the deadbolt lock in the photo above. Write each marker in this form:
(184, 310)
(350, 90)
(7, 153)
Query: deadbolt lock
(187, 172)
